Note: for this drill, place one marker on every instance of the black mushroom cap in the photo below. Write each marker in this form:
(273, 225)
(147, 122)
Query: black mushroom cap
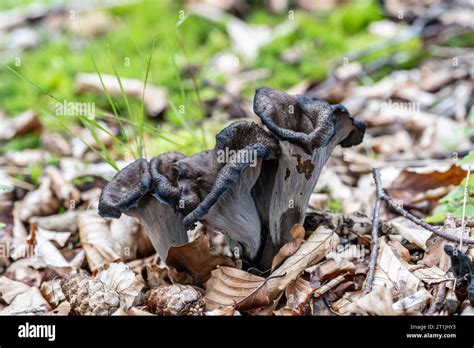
(229, 206)
(164, 178)
(308, 130)
(125, 190)
(357, 132)
(306, 122)
(196, 177)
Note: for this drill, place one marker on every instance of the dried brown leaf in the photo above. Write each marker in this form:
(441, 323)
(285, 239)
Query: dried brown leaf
(310, 252)
(239, 289)
(197, 259)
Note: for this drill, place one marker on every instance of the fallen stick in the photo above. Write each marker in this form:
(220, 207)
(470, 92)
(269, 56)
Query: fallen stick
(399, 210)
(439, 298)
(375, 230)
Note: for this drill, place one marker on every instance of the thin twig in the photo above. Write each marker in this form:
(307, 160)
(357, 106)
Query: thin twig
(395, 207)
(375, 232)
(440, 296)
(463, 221)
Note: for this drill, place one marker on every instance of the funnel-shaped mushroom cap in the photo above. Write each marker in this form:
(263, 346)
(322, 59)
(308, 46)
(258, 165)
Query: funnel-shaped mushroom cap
(148, 192)
(307, 122)
(308, 130)
(196, 176)
(164, 174)
(240, 149)
(125, 190)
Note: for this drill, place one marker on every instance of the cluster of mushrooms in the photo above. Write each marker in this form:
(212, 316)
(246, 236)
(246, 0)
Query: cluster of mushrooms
(254, 195)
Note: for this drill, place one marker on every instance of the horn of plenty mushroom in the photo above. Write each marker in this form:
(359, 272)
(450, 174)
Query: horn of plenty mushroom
(229, 206)
(254, 183)
(147, 192)
(308, 129)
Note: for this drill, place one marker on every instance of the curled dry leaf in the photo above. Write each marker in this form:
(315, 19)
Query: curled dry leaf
(431, 275)
(175, 299)
(125, 231)
(297, 232)
(197, 259)
(377, 302)
(52, 292)
(28, 302)
(96, 240)
(24, 123)
(59, 222)
(236, 288)
(118, 277)
(39, 202)
(412, 185)
(297, 294)
(59, 237)
(410, 231)
(155, 98)
(414, 303)
(310, 252)
(66, 192)
(9, 289)
(391, 273)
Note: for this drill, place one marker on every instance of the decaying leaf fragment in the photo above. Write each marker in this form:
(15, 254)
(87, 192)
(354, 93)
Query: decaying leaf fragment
(197, 259)
(96, 240)
(121, 279)
(313, 250)
(377, 302)
(39, 202)
(298, 233)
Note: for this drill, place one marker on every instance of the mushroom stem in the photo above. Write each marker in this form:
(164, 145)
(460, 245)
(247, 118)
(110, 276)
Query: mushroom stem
(296, 177)
(163, 224)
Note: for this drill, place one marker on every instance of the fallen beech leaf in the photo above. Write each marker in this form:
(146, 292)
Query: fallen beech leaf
(59, 237)
(239, 289)
(197, 259)
(431, 275)
(399, 250)
(413, 303)
(412, 184)
(125, 231)
(297, 232)
(435, 255)
(120, 278)
(29, 302)
(377, 302)
(96, 240)
(310, 252)
(410, 231)
(52, 292)
(67, 193)
(391, 273)
(330, 269)
(297, 294)
(39, 202)
(60, 222)
(24, 123)
(155, 98)
(9, 289)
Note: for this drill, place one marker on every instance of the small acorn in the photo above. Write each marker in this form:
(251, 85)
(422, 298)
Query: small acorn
(175, 299)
